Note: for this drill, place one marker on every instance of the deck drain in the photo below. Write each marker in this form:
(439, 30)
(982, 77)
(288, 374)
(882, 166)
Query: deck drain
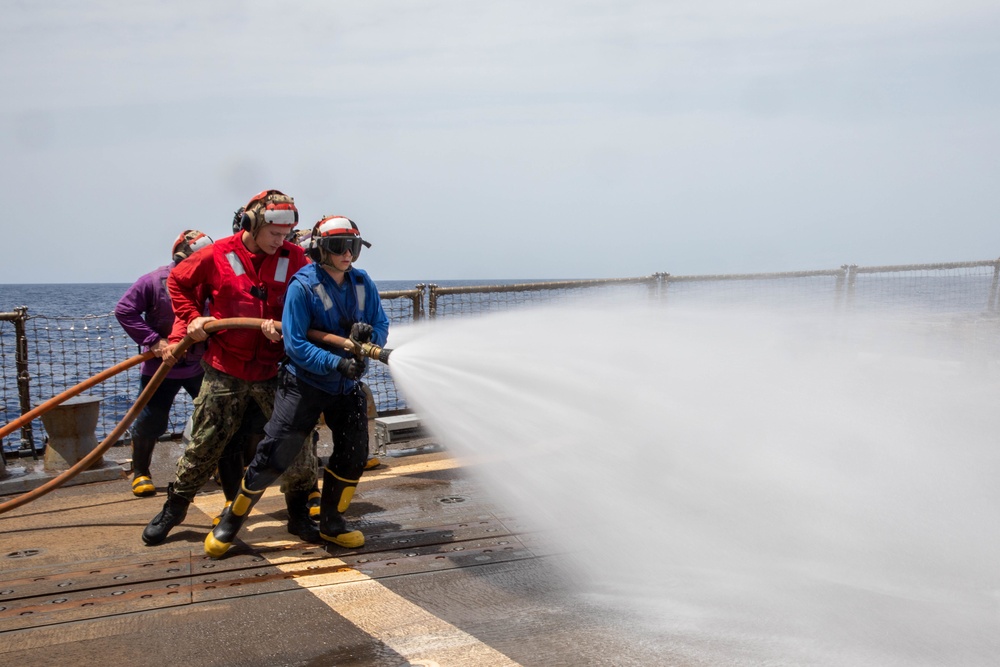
(451, 500)
(24, 553)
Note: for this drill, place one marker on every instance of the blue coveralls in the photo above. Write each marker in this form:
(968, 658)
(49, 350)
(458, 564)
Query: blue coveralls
(310, 385)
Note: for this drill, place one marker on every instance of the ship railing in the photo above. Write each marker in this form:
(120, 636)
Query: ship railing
(42, 355)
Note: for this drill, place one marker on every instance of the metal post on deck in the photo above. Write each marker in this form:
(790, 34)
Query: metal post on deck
(432, 301)
(23, 376)
(654, 285)
(418, 302)
(852, 274)
(838, 289)
(664, 286)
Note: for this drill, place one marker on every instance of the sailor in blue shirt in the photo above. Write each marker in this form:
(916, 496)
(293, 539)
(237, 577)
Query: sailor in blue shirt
(334, 296)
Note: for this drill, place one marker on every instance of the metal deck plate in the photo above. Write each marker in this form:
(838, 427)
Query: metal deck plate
(50, 596)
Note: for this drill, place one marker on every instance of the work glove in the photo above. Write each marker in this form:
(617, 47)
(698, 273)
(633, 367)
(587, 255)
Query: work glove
(352, 368)
(361, 332)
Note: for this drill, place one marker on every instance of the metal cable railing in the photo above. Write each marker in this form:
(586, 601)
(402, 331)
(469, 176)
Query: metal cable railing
(41, 355)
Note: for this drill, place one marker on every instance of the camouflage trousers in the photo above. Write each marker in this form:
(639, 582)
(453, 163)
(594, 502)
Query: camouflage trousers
(218, 412)
(302, 474)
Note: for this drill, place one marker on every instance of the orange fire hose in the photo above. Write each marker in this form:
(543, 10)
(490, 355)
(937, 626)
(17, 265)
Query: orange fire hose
(316, 336)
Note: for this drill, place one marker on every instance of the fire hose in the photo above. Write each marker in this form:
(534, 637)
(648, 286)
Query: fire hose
(358, 350)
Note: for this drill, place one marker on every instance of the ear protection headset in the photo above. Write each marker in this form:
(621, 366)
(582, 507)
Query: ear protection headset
(246, 220)
(314, 253)
(238, 219)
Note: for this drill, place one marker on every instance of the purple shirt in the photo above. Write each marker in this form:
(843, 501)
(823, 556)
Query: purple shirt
(145, 313)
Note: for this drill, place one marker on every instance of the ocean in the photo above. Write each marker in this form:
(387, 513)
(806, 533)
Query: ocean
(80, 299)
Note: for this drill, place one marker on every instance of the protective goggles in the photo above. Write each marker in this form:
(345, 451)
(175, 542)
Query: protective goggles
(338, 245)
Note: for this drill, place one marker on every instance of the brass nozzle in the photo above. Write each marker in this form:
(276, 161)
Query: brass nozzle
(373, 351)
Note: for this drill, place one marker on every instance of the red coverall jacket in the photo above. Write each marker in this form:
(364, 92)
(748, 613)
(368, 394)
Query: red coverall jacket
(223, 273)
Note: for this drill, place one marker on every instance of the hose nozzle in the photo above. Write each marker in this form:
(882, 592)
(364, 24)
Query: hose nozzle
(373, 351)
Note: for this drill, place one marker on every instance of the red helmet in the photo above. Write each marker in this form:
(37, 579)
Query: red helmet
(189, 242)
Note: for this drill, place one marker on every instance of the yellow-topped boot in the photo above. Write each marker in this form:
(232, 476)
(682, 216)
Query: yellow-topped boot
(142, 486)
(217, 542)
(300, 523)
(337, 494)
(142, 456)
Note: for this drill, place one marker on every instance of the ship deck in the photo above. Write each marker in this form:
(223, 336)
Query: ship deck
(446, 578)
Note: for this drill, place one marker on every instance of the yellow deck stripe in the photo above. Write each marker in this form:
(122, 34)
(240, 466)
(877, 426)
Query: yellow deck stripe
(411, 631)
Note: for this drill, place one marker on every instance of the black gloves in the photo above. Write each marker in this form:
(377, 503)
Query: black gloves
(361, 332)
(352, 368)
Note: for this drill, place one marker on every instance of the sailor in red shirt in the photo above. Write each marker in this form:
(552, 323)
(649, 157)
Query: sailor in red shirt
(244, 275)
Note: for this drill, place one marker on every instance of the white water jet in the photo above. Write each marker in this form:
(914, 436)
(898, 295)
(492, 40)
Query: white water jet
(758, 486)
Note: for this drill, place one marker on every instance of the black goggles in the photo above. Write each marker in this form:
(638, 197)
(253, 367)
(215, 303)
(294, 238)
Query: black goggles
(338, 245)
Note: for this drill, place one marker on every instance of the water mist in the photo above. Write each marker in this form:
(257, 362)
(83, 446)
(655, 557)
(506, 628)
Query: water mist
(758, 486)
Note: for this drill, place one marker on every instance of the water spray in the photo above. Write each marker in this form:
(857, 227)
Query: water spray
(791, 488)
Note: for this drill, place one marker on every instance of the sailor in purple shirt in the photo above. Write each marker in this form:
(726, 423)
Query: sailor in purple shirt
(146, 315)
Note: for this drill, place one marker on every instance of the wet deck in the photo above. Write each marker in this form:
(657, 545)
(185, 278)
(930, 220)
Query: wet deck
(446, 578)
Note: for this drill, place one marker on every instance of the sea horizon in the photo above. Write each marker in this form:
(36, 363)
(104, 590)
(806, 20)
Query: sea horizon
(82, 299)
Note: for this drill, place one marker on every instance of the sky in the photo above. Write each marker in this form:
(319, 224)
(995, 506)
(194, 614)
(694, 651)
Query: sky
(551, 139)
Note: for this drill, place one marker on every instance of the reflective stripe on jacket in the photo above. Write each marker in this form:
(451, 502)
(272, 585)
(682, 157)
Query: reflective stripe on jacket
(225, 274)
(315, 301)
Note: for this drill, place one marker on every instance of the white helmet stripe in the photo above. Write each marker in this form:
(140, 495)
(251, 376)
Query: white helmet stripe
(279, 216)
(337, 225)
(202, 241)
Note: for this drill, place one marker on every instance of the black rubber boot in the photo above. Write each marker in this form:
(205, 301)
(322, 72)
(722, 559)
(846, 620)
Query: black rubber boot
(217, 542)
(142, 455)
(337, 494)
(313, 502)
(231, 473)
(299, 521)
(218, 517)
(173, 512)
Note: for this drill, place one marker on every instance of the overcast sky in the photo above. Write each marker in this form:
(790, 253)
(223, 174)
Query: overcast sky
(544, 139)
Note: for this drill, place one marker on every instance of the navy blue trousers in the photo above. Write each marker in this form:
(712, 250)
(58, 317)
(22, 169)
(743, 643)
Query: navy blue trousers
(152, 421)
(297, 408)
